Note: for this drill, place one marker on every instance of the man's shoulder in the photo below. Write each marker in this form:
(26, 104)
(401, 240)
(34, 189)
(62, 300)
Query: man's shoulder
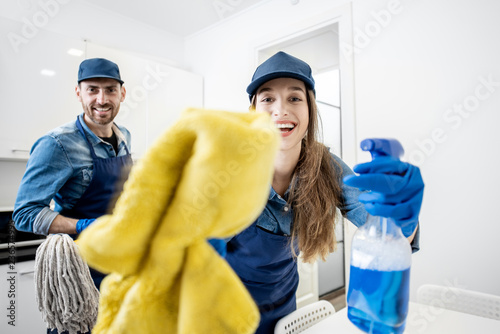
(68, 128)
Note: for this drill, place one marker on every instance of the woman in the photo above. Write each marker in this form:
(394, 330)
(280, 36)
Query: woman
(307, 188)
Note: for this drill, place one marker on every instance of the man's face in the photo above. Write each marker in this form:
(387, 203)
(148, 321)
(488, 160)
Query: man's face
(100, 98)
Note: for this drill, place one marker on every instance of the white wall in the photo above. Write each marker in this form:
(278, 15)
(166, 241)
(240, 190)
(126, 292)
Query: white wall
(429, 62)
(411, 68)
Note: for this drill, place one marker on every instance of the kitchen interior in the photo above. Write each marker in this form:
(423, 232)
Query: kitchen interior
(383, 68)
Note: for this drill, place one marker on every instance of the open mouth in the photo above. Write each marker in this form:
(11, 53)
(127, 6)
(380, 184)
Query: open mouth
(285, 127)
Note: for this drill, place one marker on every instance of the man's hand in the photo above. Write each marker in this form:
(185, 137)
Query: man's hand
(62, 224)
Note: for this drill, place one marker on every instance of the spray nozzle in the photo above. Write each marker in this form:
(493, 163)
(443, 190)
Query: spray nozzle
(380, 147)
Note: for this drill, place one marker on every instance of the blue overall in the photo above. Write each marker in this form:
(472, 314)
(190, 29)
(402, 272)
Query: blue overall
(95, 201)
(105, 183)
(269, 272)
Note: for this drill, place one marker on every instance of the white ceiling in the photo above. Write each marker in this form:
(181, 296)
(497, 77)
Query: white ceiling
(181, 17)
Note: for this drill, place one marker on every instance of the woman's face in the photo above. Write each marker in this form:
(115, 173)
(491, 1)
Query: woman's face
(285, 99)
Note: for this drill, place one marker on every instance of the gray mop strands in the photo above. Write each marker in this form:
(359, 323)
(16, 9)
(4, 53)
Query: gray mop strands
(65, 293)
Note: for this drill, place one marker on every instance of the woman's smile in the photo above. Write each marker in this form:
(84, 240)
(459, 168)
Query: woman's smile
(285, 127)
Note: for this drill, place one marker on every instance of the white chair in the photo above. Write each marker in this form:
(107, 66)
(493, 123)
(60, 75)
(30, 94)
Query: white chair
(465, 301)
(304, 317)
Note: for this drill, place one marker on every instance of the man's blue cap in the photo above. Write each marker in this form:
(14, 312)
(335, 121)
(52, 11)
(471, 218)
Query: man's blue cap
(281, 65)
(98, 68)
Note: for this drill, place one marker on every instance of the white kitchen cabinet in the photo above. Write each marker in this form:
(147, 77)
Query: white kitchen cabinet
(37, 83)
(27, 318)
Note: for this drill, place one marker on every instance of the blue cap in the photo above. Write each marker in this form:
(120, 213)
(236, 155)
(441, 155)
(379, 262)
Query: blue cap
(281, 65)
(98, 68)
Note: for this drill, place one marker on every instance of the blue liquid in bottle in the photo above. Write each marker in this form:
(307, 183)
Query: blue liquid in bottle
(378, 295)
(378, 300)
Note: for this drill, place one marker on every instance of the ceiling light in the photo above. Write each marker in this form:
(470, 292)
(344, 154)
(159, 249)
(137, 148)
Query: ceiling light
(47, 72)
(75, 52)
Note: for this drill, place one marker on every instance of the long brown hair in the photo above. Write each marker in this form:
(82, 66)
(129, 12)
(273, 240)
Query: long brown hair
(315, 193)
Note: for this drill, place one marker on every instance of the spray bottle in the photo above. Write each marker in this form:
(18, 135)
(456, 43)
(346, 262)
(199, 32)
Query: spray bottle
(378, 293)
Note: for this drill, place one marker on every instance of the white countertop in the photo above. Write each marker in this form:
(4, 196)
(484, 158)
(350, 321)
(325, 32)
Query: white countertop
(421, 319)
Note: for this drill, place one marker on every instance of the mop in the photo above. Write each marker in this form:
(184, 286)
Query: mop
(65, 293)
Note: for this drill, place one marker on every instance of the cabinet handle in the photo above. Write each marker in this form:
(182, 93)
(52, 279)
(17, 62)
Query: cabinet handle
(27, 272)
(14, 150)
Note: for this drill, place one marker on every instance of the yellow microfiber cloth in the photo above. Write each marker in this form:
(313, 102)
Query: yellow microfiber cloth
(208, 176)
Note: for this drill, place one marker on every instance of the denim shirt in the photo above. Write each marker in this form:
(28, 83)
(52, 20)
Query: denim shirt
(277, 216)
(60, 168)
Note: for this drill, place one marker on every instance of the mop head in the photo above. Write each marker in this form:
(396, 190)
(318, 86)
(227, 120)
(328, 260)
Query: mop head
(207, 177)
(65, 293)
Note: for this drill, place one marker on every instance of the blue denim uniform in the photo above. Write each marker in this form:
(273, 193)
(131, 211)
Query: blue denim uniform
(60, 167)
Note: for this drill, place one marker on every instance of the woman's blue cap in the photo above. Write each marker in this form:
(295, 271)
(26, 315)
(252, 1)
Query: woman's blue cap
(281, 65)
(98, 68)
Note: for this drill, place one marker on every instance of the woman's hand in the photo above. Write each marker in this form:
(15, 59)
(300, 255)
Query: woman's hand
(396, 190)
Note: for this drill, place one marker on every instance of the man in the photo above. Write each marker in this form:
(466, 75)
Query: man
(78, 164)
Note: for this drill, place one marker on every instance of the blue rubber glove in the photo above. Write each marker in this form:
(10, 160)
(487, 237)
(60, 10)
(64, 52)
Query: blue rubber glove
(82, 224)
(396, 188)
(219, 245)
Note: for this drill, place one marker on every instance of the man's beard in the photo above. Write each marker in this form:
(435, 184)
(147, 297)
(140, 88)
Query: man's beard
(97, 119)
